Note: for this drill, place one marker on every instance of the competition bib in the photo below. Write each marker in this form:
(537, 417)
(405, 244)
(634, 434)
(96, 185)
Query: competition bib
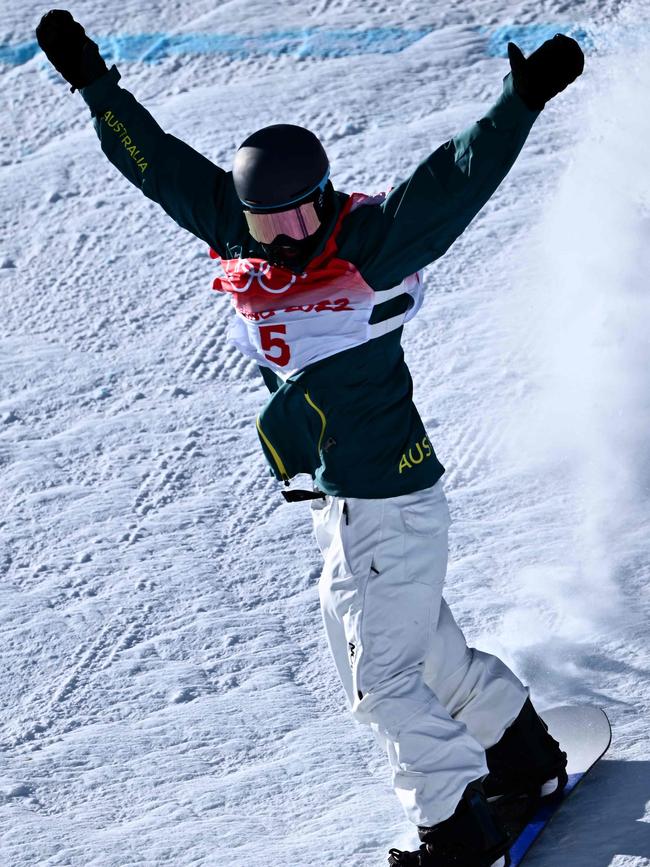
(287, 321)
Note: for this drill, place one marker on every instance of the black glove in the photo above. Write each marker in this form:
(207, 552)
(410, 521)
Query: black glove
(68, 49)
(548, 70)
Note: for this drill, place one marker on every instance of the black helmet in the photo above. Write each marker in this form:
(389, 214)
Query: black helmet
(279, 166)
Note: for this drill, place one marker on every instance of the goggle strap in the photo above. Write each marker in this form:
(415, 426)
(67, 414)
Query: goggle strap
(319, 186)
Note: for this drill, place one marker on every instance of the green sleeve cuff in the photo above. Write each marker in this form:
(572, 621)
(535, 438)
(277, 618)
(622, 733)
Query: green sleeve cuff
(98, 94)
(510, 111)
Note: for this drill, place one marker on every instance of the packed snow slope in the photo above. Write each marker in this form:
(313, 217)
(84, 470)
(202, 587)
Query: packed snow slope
(167, 696)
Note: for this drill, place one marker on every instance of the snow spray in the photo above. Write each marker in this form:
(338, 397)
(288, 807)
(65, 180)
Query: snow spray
(582, 318)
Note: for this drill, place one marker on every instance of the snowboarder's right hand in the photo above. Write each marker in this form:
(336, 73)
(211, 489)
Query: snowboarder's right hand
(69, 50)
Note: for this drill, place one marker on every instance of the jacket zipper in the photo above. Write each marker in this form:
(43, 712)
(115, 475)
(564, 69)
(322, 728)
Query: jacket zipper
(323, 420)
(274, 454)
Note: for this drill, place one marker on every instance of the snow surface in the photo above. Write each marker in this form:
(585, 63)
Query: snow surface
(167, 692)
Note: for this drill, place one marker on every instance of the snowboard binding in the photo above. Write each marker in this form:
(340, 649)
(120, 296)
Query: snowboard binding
(527, 762)
(471, 837)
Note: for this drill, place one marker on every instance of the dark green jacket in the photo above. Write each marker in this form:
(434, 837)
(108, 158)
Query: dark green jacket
(348, 420)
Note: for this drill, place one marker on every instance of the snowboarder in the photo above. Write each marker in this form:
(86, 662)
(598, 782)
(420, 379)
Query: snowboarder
(322, 283)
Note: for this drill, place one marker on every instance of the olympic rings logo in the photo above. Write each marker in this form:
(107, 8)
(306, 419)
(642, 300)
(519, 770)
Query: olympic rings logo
(247, 269)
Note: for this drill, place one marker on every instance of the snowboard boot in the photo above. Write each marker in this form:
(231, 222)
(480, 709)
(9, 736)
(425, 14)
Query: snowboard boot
(470, 838)
(526, 762)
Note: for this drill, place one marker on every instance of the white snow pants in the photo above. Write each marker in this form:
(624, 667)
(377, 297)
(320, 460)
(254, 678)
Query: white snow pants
(434, 704)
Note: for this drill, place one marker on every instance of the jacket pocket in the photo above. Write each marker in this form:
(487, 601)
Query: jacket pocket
(291, 428)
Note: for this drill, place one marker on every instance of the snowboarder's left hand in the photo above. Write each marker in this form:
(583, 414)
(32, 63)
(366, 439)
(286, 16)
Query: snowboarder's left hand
(69, 49)
(548, 70)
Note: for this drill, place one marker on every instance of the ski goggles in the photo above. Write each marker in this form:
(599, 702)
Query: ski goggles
(298, 222)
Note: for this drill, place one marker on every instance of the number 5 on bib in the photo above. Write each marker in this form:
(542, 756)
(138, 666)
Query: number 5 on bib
(275, 349)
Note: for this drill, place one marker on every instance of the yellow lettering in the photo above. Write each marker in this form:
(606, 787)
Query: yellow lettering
(422, 450)
(404, 464)
(119, 129)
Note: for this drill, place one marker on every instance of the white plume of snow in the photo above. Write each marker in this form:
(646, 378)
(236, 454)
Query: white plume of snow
(583, 313)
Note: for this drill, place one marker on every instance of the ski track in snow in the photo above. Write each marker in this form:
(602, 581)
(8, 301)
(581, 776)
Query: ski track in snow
(168, 696)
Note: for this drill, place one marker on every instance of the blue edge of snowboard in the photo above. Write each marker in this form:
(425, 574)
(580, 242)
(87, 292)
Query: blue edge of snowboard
(593, 735)
(535, 827)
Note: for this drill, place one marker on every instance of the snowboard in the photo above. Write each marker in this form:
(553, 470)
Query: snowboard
(584, 733)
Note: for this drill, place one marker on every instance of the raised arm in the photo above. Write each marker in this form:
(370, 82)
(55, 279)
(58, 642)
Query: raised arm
(197, 194)
(423, 216)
